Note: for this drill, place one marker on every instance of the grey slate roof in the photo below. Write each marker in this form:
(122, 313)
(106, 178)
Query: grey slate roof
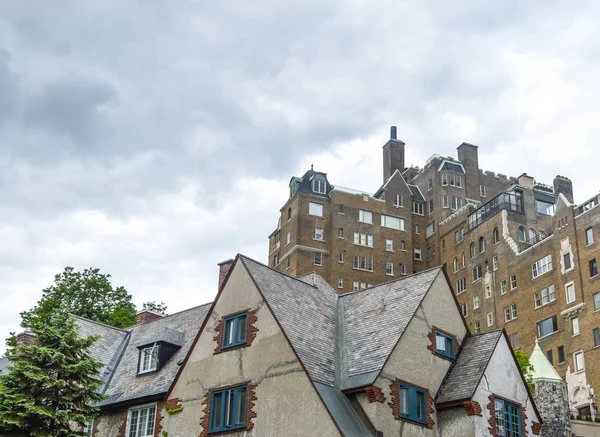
(125, 385)
(306, 314)
(464, 376)
(452, 166)
(371, 334)
(416, 193)
(4, 364)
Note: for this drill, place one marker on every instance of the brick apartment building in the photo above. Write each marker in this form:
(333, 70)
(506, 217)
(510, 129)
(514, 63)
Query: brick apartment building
(521, 255)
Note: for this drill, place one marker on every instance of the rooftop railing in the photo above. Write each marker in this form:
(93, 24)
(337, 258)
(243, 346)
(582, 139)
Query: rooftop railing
(511, 201)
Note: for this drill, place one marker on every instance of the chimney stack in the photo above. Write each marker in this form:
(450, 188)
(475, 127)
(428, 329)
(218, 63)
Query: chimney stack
(393, 155)
(146, 316)
(563, 185)
(26, 337)
(224, 267)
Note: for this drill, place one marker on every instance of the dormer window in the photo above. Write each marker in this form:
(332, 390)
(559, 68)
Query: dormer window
(444, 345)
(149, 359)
(319, 186)
(235, 328)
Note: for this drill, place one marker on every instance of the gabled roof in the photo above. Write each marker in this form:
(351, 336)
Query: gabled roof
(374, 319)
(464, 376)
(125, 385)
(306, 313)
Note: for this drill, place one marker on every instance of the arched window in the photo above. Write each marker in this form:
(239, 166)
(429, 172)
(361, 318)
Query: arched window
(463, 260)
(496, 236)
(531, 234)
(473, 251)
(481, 244)
(455, 265)
(521, 233)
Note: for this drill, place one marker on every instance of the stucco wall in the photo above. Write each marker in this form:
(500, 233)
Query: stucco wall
(502, 378)
(286, 402)
(453, 422)
(411, 361)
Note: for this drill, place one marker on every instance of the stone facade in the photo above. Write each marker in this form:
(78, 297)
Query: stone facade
(551, 400)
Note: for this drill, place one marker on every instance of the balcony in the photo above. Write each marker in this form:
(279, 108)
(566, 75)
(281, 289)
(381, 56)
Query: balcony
(511, 201)
(541, 235)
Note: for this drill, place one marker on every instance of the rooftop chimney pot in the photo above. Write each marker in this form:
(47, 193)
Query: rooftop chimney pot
(393, 133)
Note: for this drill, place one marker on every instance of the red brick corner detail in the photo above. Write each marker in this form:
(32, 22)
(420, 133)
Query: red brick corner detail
(374, 394)
(536, 428)
(473, 408)
(395, 405)
(251, 330)
(95, 427)
(158, 419)
(431, 346)
(250, 403)
(492, 420)
(173, 404)
(123, 427)
(523, 421)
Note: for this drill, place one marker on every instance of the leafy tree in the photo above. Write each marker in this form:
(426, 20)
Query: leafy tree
(159, 308)
(87, 294)
(51, 383)
(526, 367)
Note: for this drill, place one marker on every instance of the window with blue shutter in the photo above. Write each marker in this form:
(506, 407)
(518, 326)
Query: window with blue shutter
(412, 403)
(228, 409)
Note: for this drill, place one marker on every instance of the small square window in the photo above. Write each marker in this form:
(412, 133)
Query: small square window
(444, 345)
(234, 330)
(319, 234)
(318, 259)
(228, 409)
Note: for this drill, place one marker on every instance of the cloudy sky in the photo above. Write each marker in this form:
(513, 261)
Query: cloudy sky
(153, 139)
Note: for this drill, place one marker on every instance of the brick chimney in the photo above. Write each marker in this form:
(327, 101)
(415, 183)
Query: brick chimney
(146, 316)
(563, 185)
(393, 155)
(224, 267)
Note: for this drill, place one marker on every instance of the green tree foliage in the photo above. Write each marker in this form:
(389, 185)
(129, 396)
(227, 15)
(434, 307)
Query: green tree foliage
(526, 367)
(159, 308)
(87, 294)
(51, 383)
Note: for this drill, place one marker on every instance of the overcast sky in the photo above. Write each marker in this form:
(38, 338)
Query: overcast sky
(153, 139)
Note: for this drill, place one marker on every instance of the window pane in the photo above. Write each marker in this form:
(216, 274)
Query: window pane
(315, 209)
(133, 423)
(142, 421)
(420, 405)
(241, 329)
(228, 331)
(216, 409)
(150, 421)
(229, 407)
(240, 408)
(403, 400)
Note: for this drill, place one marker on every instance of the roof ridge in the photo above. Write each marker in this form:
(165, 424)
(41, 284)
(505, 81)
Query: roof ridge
(390, 281)
(286, 275)
(124, 330)
(173, 314)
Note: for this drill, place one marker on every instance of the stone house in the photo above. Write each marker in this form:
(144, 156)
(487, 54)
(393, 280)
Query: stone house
(276, 355)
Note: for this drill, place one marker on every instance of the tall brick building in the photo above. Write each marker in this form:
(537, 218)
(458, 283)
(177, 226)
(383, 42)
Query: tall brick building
(521, 254)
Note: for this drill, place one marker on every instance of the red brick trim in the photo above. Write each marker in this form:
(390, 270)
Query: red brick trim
(536, 428)
(158, 419)
(251, 331)
(492, 420)
(95, 427)
(431, 346)
(173, 406)
(473, 408)
(374, 394)
(395, 405)
(123, 427)
(250, 413)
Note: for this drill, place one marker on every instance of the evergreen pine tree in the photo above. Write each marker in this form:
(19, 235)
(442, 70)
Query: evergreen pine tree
(51, 383)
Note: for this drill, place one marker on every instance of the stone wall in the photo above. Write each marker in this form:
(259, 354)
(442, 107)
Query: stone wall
(550, 398)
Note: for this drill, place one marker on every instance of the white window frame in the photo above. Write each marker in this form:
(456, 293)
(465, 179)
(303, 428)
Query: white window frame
(464, 309)
(429, 184)
(567, 285)
(575, 326)
(417, 208)
(417, 251)
(388, 221)
(444, 179)
(503, 287)
(482, 190)
(389, 268)
(403, 269)
(515, 282)
(340, 282)
(153, 363)
(319, 184)
(319, 234)
(389, 244)
(398, 201)
(311, 209)
(477, 327)
(495, 262)
(139, 408)
(288, 238)
(461, 285)
(589, 241)
(445, 203)
(475, 301)
(430, 229)
(490, 319)
(315, 258)
(575, 363)
(488, 292)
(355, 285)
(341, 257)
(541, 266)
(479, 270)
(365, 216)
